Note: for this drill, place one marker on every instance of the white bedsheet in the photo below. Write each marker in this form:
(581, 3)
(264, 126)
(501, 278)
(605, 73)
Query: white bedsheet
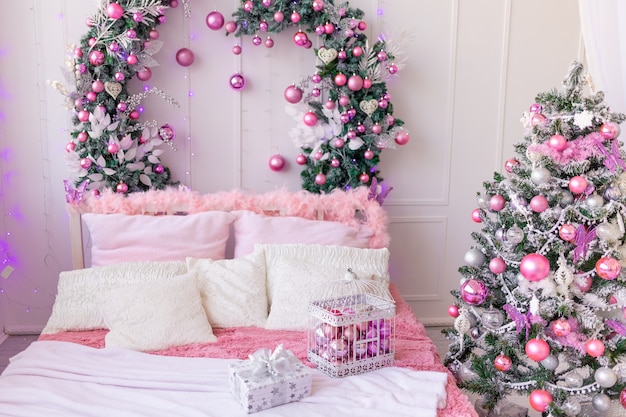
(65, 379)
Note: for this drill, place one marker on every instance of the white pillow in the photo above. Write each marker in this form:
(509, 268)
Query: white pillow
(295, 272)
(155, 315)
(250, 228)
(233, 290)
(75, 307)
(123, 238)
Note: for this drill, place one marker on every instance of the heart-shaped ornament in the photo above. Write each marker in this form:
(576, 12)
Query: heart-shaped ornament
(368, 106)
(326, 55)
(114, 89)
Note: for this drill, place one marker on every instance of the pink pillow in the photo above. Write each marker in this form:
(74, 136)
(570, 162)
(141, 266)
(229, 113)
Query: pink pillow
(250, 228)
(124, 238)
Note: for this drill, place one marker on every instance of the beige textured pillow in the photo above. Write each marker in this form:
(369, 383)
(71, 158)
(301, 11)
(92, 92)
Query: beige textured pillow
(294, 273)
(75, 307)
(155, 315)
(233, 290)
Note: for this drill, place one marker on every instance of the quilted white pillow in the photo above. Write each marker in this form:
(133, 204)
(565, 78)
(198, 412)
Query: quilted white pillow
(250, 228)
(75, 307)
(233, 290)
(295, 271)
(155, 315)
(124, 238)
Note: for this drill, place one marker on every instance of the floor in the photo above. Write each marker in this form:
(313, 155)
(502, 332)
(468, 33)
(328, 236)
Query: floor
(15, 344)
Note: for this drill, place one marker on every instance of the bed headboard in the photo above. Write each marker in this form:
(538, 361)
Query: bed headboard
(352, 208)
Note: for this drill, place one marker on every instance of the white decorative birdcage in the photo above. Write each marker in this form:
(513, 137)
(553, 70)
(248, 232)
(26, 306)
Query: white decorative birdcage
(352, 326)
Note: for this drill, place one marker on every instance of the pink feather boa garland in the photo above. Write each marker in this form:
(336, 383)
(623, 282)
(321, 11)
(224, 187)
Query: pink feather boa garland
(339, 206)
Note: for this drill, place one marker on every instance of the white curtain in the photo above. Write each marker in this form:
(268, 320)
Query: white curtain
(603, 26)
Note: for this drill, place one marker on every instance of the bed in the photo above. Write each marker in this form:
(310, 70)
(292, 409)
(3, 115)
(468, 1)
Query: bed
(171, 287)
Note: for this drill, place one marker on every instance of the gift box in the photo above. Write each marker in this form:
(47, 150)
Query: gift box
(269, 379)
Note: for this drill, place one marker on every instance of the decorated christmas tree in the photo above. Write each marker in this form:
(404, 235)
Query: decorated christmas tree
(541, 308)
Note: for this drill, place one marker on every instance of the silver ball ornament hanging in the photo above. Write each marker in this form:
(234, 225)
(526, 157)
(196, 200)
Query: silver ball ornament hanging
(605, 377)
(492, 318)
(466, 373)
(571, 407)
(474, 257)
(550, 363)
(601, 402)
(515, 235)
(475, 333)
(540, 175)
(483, 201)
(500, 235)
(573, 380)
(613, 193)
(594, 202)
(566, 199)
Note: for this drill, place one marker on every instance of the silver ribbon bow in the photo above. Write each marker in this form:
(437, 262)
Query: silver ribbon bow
(276, 363)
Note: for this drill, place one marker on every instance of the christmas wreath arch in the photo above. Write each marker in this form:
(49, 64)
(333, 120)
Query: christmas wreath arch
(343, 111)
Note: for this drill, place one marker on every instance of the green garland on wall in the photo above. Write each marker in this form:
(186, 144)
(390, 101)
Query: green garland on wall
(345, 116)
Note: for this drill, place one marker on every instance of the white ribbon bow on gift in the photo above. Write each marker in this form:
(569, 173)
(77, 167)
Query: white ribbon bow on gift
(276, 363)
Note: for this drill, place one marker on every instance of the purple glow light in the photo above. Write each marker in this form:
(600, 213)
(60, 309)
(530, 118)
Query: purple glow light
(380, 12)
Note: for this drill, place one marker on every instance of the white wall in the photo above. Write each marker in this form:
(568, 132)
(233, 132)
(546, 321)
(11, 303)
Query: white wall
(473, 68)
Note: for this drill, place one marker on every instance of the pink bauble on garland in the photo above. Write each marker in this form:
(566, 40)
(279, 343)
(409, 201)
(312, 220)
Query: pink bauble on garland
(609, 130)
(310, 118)
(534, 267)
(115, 11)
(594, 347)
(96, 58)
(476, 216)
(567, 232)
(539, 204)
(355, 83)
(557, 142)
(497, 203)
(293, 94)
(185, 57)
(497, 265)
(502, 363)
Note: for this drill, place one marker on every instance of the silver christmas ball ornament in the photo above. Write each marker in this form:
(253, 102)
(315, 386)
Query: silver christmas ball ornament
(515, 235)
(474, 257)
(540, 175)
(566, 199)
(492, 318)
(571, 407)
(613, 193)
(608, 232)
(605, 377)
(601, 402)
(466, 373)
(500, 235)
(483, 201)
(551, 362)
(573, 380)
(594, 201)
(475, 333)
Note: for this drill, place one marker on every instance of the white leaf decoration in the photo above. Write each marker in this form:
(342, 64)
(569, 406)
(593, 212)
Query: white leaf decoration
(153, 47)
(96, 177)
(153, 159)
(130, 154)
(158, 152)
(113, 126)
(355, 143)
(126, 142)
(145, 180)
(138, 166)
(101, 161)
(108, 171)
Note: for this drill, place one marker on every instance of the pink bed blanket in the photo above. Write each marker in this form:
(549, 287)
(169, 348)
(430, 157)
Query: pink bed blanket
(414, 349)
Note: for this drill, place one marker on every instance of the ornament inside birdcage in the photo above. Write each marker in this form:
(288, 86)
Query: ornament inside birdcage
(352, 326)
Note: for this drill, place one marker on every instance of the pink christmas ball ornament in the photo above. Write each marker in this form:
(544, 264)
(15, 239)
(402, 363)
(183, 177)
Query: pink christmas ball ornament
(237, 82)
(557, 142)
(537, 349)
(96, 58)
(83, 116)
(341, 80)
(561, 327)
(256, 41)
(248, 6)
(608, 268)
(355, 83)
(310, 118)
(293, 94)
(115, 11)
(577, 184)
(476, 216)
(91, 96)
(230, 26)
(132, 59)
(567, 232)
(236, 50)
(510, 164)
(453, 311)
(364, 178)
(540, 400)
(497, 203)
(276, 162)
(121, 188)
(594, 347)
(301, 159)
(502, 363)
(215, 20)
(474, 291)
(539, 204)
(534, 267)
(85, 163)
(144, 74)
(300, 38)
(97, 86)
(295, 17)
(279, 17)
(185, 57)
(402, 138)
(609, 130)
(497, 265)
(320, 179)
(318, 5)
(70, 146)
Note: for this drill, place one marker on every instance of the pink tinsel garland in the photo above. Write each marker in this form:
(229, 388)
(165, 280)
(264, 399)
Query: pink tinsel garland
(339, 206)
